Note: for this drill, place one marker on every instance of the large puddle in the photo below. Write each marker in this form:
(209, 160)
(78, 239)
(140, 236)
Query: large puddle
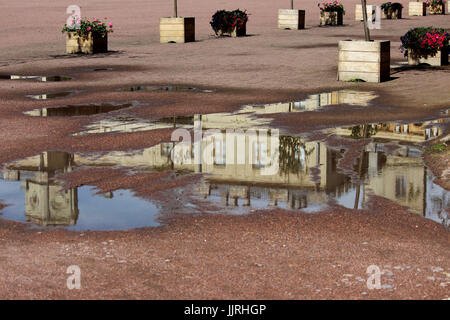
(236, 180)
(245, 164)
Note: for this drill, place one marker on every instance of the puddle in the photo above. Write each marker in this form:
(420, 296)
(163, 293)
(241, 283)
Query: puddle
(165, 88)
(245, 165)
(124, 123)
(315, 102)
(97, 69)
(56, 95)
(34, 196)
(79, 110)
(37, 78)
(243, 118)
(307, 176)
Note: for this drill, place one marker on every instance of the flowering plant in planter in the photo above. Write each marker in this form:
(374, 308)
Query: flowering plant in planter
(84, 27)
(424, 42)
(225, 21)
(434, 3)
(393, 6)
(331, 6)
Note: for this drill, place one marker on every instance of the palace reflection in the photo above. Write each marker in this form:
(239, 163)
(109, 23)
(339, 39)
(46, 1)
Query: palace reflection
(307, 175)
(46, 201)
(244, 118)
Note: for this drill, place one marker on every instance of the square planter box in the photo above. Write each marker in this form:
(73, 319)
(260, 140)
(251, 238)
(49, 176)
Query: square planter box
(440, 59)
(366, 60)
(89, 44)
(359, 13)
(333, 18)
(235, 32)
(439, 9)
(176, 30)
(417, 9)
(391, 14)
(291, 19)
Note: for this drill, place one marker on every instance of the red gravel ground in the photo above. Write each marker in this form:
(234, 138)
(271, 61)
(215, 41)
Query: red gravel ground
(268, 255)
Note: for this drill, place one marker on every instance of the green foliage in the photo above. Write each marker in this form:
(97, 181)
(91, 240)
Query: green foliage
(437, 148)
(355, 80)
(358, 131)
(227, 20)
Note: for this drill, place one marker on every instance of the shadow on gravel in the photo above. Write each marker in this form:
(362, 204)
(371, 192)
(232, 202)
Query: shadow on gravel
(309, 46)
(88, 56)
(420, 67)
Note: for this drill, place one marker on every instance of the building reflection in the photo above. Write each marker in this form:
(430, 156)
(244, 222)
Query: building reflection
(46, 201)
(234, 164)
(244, 118)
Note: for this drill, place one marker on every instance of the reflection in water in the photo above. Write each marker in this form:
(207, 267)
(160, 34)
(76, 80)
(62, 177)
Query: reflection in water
(406, 132)
(97, 69)
(47, 203)
(234, 165)
(38, 78)
(309, 177)
(79, 110)
(122, 124)
(315, 101)
(48, 96)
(244, 118)
(164, 88)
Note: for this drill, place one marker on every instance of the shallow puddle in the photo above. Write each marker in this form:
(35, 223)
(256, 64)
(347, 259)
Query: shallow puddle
(315, 102)
(34, 195)
(236, 176)
(164, 88)
(47, 204)
(243, 118)
(56, 95)
(37, 78)
(245, 165)
(79, 110)
(97, 69)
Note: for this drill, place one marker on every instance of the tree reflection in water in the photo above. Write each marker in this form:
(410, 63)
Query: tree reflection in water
(293, 155)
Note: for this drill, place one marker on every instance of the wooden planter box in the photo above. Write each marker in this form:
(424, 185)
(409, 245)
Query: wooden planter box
(439, 9)
(176, 30)
(440, 59)
(235, 32)
(417, 9)
(359, 13)
(391, 14)
(333, 18)
(89, 44)
(291, 19)
(366, 60)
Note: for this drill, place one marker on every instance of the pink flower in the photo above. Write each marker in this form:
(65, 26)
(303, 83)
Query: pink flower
(89, 29)
(110, 25)
(99, 24)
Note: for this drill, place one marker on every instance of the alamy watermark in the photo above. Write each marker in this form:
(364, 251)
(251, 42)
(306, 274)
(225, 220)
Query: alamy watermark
(374, 279)
(373, 17)
(74, 280)
(257, 147)
(74, 20)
